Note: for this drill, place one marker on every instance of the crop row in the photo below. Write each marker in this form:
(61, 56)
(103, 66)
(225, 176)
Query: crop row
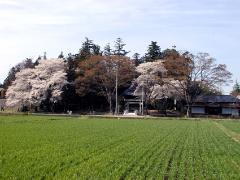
(112, 149)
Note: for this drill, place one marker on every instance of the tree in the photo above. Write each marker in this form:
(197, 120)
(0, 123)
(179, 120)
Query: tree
(151, 83)
(119, 48)
(196, 74)
(27, 63)
(236, 89)
(88, 49)
(153, 52)
(137, 59)
(107, 50)
(98, 75)
(61, 56)
(33, 86)
(96, 50)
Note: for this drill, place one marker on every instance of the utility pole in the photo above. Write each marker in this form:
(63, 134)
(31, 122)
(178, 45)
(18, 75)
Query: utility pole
(142, 100)
(116, 106)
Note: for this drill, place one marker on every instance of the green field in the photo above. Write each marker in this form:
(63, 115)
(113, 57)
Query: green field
(35, 147)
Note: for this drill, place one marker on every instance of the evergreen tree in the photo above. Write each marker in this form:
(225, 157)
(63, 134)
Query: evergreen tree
(153, 52)
(137, 59)
(170, 53)
(45, 56)
(61, 56)
(96, 50)
(107, 50)
(88, 49)
(69, 96)
(27, 63)
(85, 50)
(119, 48)
(236, 89)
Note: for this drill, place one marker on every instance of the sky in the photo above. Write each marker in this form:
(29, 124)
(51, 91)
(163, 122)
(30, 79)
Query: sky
(28, 28)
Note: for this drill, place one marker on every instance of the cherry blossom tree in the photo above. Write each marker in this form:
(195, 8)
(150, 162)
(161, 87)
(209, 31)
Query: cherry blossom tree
(154, 84)
(33, 86)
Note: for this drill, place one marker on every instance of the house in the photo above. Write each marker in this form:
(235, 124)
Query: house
(133, 103)
(224, 105)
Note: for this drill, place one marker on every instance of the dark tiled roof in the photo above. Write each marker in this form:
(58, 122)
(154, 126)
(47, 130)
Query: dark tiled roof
(217, 99)
(130, 90)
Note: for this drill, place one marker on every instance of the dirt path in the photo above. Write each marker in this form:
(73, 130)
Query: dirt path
(235, 136)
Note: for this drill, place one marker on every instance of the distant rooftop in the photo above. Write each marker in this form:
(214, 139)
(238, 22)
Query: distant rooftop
(217, 99)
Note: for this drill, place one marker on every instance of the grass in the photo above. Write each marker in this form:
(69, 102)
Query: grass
(35, 147)
(232, 125)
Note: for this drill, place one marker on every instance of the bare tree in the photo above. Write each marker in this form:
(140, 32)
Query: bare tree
(195, 74)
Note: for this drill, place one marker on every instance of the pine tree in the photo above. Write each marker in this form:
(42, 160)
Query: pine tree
(45, 55)
(96, 50)
(153, 52)
(236, 89)
(85, 50)
(137, 59)
(88, 49)
(61, 56)
(119, 48)
(107, 50)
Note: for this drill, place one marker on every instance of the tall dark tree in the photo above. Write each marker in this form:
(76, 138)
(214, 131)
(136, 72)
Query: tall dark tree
(170, 53)
(88, 49)
(85, 50)
(27, 63)
(153, 52)
(61, 55)
(107, 50)
(137, 59)
(69, 96)
(45, 55)
(119, 48)
(236, 89)
(96, 50)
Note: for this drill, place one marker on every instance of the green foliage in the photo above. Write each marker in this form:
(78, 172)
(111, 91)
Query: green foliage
(107, 50)
(137, 59)
(27, 63)
(119, 48)
(236, 89)
(79, 148)
(61, 55)
(88, 49)
(153, 52)
(232, 125)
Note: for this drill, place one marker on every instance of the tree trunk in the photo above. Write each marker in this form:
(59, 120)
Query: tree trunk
(188, 110)
(110, 103)
(188, 104)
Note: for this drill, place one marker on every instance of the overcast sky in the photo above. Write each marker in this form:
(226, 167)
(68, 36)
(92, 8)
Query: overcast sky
(28, 28)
